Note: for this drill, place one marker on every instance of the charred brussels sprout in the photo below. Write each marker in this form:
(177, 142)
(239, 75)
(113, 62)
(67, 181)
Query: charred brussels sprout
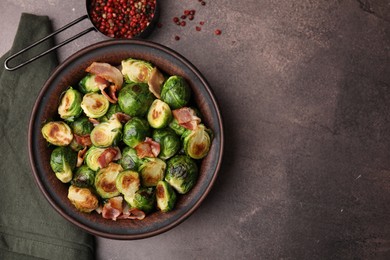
(82, 198)
(70, 105)
(107, 133)
(166, 196)
(159, 114)
(128, 183)
(92, 157)
(152, 171)
(169, 142)
(95, 105)
(197, 142)
(84, 177)
(105, 181)
(135, 99)
(57, 133)
(91, 83)
(81, 126)
(176, 92)
(182, 173)
(135, 131)
(144, 199)
(137, 71)
(129, 159)
(63, 161)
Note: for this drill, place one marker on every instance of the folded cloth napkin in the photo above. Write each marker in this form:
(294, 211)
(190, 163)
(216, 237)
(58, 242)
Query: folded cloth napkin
(29, 227)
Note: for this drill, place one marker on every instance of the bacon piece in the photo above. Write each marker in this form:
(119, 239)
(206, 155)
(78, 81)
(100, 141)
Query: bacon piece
(186, 117)
(81, 156)
(148, 148)
(156, 79)
(113, 208)
(83, 140)
(107, 156)
(122, 117)
(94, 121)
(132, 214)
(105, 74)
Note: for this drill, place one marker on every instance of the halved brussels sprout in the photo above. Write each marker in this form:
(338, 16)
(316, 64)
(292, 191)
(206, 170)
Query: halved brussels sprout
(95, 105)
(144, 199)
(175, 126)
(129, 159)
(152, 171)
(105, 181)
(70, 105)
(159, 114)
(135, 131)
(83, 177)
(89, 84)
(137, 71)
(81, 126)
(166, 196)
(83, 199)
(176, 92)
(182, 173)
(128, 182)
(112, 110)
(107, 133)
(57, 133)
(63, 161)
(135, 99)
(197, 142)
(92, 157)
(169, 142)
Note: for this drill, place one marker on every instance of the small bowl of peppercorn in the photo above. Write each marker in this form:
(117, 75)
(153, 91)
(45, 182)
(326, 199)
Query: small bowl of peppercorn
(123, 19)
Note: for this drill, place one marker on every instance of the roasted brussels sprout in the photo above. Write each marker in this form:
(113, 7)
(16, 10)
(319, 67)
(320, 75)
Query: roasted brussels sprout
(176, 92)
(169, 142)
(182, 173)
(91, 83)
(159, 114)
(57, 133)
(82, 198)
(84, 177)
(70, 105)
(135, 99)
(95, 105)
(128, 182)
(152, 171)
(144, 199)
(107, 133)
(197, 142)
(137, 71)
(92, 157)
(129, 159)
(81, 126)
(135, 131)
(105, 181)
(63, 161)
(176, 127)
(166, 196)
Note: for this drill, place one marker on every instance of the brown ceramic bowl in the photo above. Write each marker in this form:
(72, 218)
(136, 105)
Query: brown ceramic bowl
(45, 109)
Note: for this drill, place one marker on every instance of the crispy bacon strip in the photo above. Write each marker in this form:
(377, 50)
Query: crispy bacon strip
(83, 140)
(109, 73)
(148, 148)
(186, 117)
(113, 208)
(107, 156)
(81, 156)
(94, 121)
(132, 214)
(122, 117)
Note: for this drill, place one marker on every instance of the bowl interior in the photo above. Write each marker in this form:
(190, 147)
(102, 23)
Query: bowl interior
(68, 74)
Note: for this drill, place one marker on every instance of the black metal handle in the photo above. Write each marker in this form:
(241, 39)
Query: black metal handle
(6, 62)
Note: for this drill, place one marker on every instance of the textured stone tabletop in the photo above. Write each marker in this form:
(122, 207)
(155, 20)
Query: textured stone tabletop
(304, 90)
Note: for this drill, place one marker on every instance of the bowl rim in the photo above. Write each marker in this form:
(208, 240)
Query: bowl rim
(36, 106)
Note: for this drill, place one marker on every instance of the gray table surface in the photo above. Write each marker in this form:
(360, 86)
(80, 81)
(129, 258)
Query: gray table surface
(304, 89)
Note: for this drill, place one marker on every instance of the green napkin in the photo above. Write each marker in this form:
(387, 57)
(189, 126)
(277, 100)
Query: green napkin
(29, 227)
